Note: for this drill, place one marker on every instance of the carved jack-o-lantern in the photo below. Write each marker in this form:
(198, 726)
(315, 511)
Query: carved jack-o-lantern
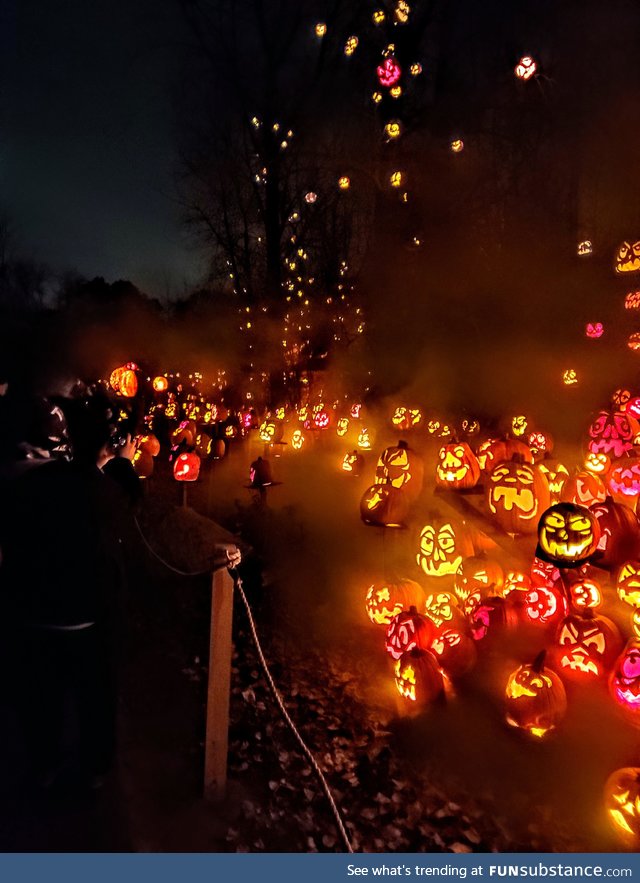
(342, 427)
(150, 444)
(386, 600)
(545, 605)
(383, 505)
(585, 595)
(568, 535)
(418, 677)
(586, 644)
(517, 493)
(619, 539)
(622, 803)
(478, 573)
(400, 467)
(160, 384)
(624, 683)
(556, 473)
(584, 248)
(627, 258)
(536, 700)
(444, 543)
(389, 72)
(525, 68)
(353, 463)
(624, 478)
(496, 450)
(584, 488)
(540, 443)
(443, 610)
(143, 463)
(455, 651)
(515, 581)
(405, 418)
(364, 439)
(621, 398)
(519, 425)
(457, 466)
(597, 463)
(490, 614)
(594, 330)
(271, 431)
(297, 439)
(611, 433)
(186, 467)
(628, 583)
(408, 630)
(124, 381)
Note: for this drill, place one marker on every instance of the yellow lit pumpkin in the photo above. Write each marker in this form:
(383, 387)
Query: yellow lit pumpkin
(457, 466)
(568, 535)
(627, 258)
(386, 600)
(418, 677)
(535, 698)
(124, 381)
(383, 505)
(622, 803)
(517, 494)
(445, 542)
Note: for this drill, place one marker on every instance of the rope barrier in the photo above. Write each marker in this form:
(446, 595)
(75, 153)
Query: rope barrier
(232, 561)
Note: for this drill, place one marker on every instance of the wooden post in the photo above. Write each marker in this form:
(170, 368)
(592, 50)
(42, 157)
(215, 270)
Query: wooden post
(219, 684)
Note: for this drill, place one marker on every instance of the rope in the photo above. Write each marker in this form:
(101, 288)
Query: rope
(278, 698)
(265, 667)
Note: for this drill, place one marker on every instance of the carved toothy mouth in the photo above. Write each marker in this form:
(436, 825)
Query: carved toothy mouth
(628, 696)
(576, 662)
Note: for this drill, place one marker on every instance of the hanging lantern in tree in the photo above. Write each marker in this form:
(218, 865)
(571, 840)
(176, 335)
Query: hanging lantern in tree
(186, 467)
(627, 258)
(408, 630)
(478, 573)
(628, 583)
(586, 645)
(384, 601)
(619, 534)
(160, 384)
(536, 700)
(418, 677)
(457, 466)
(585, 248)
(516, 495)
(389, 72)
(383, 505)
(525, 68)
(456, 146)
(594, 330)
(445, 542)
(584, 488)
(124, 381)
(624, 683)
(568, 535)
(622, 803)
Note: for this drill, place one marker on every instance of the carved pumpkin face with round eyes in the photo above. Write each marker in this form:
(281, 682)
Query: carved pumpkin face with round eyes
(418, 677)
(470, 426)
(544, 605)
(627, 259)
(594, 330)
(568, 535)
(535, 698)
(628, 583)
(540, 443)
(297, 439)
(624, 684)
(515, 581)
(611, 433)
(597, 463)
(517, 494)
(342, 427)
(457, 466)
(622, 803)
(586, 645)
(585, 595)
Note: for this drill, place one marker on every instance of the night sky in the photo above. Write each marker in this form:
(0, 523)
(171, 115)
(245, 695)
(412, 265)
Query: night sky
(86, 155)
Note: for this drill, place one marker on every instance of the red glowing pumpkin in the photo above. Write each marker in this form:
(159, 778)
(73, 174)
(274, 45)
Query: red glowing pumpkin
(619, 534)
(186, 467)
(586, 644)
(624, 479)
(389, 72)
(612, 433)
(408, 630)
(624, 683)
(584, 489)
(594, 330)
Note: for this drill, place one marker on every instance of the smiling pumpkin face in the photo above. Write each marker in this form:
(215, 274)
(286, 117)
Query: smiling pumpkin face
(627, 258)
(624, 684)
(457, 466)
(517, 494)
(535, 698)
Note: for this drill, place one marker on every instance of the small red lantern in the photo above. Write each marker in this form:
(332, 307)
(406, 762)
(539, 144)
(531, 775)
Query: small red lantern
(186, 467)
(525, 68)
(594, 330)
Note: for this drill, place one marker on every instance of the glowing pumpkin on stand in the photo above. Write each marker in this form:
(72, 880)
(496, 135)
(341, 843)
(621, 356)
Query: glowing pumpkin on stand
(516, 496)
(586, 645)
(444, 543)
(622, 803)
(418, 677)
(186, 467)
(408, 630)
(624, 683)
(457, 466)
(535, 698)
(383, 505)
(568, 535)
(386, 600)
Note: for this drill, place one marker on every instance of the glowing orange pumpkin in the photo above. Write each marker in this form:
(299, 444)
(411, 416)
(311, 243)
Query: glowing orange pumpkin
(186, 467)
(418, 677)
(622, 803)
(517, 494)
(457, 466)
(124, 381)
(536, 700)
(586, 645)
(386, 600)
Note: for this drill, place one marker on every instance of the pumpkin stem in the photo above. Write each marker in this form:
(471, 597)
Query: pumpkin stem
(538, 663)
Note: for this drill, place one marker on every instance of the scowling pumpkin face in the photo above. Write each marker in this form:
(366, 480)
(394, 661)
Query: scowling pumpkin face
(587, 645)
(556, 473)
(627, 259)
(568, 534)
